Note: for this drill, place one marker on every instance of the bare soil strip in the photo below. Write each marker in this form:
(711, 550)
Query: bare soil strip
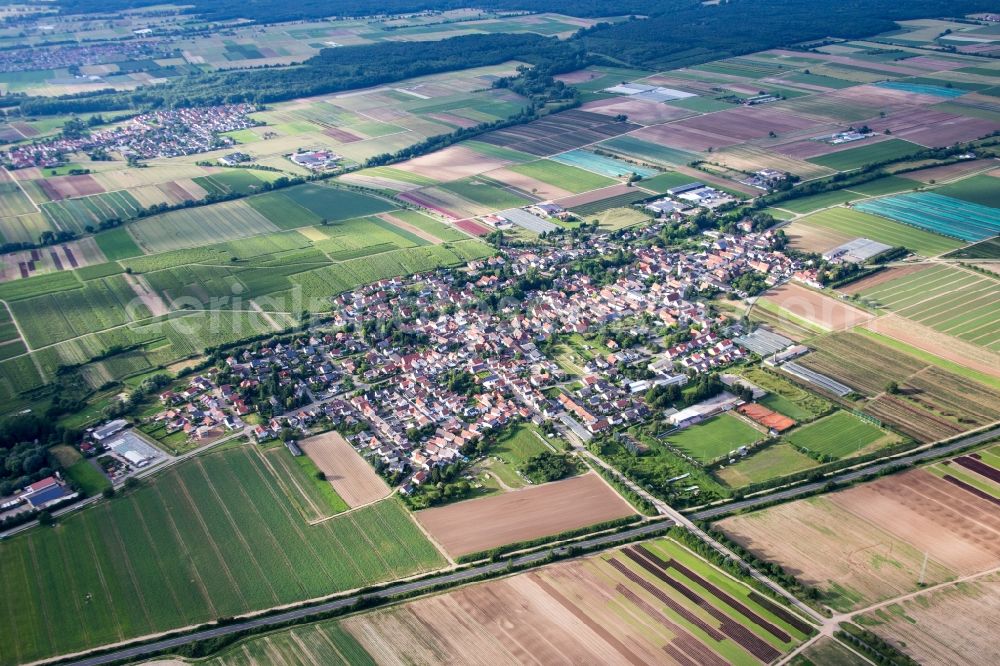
(520, 515)
(351, 476)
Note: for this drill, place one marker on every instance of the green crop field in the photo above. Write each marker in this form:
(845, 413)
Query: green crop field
(714, 438)
(664, 181)
(485, 192)
(211, 537)
(562, 175)
(38, 285)
(856, 223)
(839, 435)
(78, 214)
(282, 211)
(816, 201)
(332, 204)
(321, 643)
(769, 463)
(13, 201)
(312, 496)
(952, 300)
(617, 201)
(637, 148)
(853, 158)
(98, 305)
(202, 225)
(240, 181)
(987, 249)
(984, 190)
(886, 185)
(430, 225)
(117, 244)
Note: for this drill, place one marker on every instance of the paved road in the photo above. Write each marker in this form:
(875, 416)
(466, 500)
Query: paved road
(456, 577)
(848, 476)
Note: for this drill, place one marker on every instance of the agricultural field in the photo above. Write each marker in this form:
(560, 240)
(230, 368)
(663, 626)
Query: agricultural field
(931, 403)
(980, 190)
(948, 216)
(935, 628)
(529, 513)
(839, 435)
(314, 498)
(952, 300)
(714, 438)
(633, 604)
(214, 536)
(482, 191)
(645, 603)
(816, 308)
(827, 229)
(350, 475)
(868, 543)
(570, 178)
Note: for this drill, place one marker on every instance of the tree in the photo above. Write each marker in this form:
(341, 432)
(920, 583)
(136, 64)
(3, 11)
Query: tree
(892, 387)
(46, 519)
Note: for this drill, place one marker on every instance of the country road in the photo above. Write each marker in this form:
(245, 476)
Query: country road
(401, 588)
(907, 460)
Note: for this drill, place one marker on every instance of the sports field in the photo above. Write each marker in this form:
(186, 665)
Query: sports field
(214, 536)
(951, 300)
(940, 214)
(715, 437)
(769, 463)
(853, 158)
(838, 435)
(855, 224)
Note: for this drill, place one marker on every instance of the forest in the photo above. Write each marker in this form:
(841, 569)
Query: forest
(331, 71)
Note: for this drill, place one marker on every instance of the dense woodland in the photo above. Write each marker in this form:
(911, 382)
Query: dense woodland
(331, 71)
(676, 33)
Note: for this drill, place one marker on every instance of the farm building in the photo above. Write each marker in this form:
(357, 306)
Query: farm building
(315, 160)
(857, 250)
(109, 429)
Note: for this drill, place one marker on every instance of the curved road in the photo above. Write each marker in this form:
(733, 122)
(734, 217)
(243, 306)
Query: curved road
(907, 460)
(414, 586)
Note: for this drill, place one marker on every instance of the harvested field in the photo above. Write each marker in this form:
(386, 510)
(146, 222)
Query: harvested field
(939, 344)
(938, 628)
(654, 603)
(677, 136)
(817, 308)
(809, 238)
(452, 163)
(350, 475)
(473, 227)
(747, 122)
(558, 133)
(637, 110)
(883, 276)
(854, 562)
(481, 524)
(595, 196)
(954, 526)
(948, 172)
(65, 187)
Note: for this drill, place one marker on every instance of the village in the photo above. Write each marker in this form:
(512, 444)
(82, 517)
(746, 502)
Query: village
(167, 133)
(419, 369)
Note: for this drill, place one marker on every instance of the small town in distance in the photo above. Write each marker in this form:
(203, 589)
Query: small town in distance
(500, 332)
